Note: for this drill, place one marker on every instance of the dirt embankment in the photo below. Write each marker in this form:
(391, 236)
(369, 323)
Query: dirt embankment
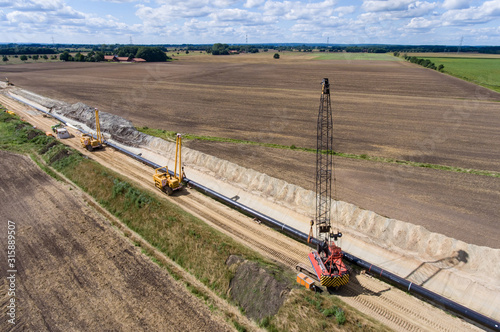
(75, 272)
(256, 289)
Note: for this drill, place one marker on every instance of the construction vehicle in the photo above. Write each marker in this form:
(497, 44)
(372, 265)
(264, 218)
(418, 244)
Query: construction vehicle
(54, 127)
(305, 281)
(326, 260)
(165, 181)
(88, 141)
(60, 131)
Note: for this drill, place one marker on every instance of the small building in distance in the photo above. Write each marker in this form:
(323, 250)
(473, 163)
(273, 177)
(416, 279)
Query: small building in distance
(115, 58)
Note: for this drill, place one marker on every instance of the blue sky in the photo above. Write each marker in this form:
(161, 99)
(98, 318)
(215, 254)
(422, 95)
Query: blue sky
(443, 22)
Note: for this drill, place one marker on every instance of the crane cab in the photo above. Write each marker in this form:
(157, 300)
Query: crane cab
(165, 181)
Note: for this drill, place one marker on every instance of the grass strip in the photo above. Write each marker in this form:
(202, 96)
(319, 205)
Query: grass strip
(170, 136)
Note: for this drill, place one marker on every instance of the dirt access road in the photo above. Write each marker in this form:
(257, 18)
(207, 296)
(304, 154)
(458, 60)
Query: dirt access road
(75, 272)
(389, 305)
(383, 108)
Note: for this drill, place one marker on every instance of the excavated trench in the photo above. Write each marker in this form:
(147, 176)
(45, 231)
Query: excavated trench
(466, 273)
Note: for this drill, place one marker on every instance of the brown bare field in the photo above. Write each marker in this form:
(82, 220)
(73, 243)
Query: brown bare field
(75, 272)
(390, 109)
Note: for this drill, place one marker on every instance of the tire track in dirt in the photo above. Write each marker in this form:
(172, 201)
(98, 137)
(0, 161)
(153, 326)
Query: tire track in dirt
(389, 305)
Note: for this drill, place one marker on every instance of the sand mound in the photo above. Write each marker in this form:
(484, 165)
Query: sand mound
(117, 128)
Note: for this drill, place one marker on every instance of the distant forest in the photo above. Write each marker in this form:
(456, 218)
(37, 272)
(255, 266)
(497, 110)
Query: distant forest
(114, 49)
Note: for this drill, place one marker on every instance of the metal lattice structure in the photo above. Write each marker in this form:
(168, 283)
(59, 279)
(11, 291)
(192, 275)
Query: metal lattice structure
(324, 164)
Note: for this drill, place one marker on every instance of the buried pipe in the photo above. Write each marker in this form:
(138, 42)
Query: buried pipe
(294, 233)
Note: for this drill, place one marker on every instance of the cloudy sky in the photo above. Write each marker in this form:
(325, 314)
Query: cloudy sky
(444, 22)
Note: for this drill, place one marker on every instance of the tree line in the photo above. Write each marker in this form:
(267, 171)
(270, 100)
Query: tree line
(11, 49)
(422, 62)
(150, 54)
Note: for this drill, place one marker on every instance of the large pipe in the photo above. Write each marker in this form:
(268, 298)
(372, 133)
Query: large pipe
(275, 224)
(421, 291)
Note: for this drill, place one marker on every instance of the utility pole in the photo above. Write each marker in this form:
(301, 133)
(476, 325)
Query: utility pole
(460, 45)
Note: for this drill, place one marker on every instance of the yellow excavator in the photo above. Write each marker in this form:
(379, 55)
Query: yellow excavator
(88, 141)
(165, 181)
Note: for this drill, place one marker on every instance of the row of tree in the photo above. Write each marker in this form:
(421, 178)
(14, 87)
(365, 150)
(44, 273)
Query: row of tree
(225, 49)
(150, 54)
(90, 57)
(12, 49)
(25, 57)
(424, 63)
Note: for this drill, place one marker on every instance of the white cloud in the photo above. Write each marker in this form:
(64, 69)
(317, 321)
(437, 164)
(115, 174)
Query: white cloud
(488, 11)
(68, 12)
(5, 3)
(253, 3)
(387, 5)
(118, 1)
(395, 9)
(223, 3)
(345, 10)
(420, 8)
(241, 16)
(26, 17)
(422, 23)
(37, 5)
(168, 13)
(296, 10)
(456, 4)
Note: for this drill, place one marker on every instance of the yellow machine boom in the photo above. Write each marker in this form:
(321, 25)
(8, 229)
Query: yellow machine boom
(163, 179)
(88, 141)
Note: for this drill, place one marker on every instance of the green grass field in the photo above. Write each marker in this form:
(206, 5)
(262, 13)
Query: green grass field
(357, 56)
(481, 71)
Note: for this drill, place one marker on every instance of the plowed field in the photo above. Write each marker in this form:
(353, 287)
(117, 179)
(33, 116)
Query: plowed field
(382, 108)
(75, 272)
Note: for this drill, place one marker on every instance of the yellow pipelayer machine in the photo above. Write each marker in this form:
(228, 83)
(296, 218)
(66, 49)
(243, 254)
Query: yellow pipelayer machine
(88, 141)
(165, 181)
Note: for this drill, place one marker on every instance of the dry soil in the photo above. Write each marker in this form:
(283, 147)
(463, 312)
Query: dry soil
(75, 272)
(382, 108)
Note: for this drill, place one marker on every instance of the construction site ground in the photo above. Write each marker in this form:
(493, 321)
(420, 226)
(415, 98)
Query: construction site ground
(388, 109)
(393, 307)
(75, 272)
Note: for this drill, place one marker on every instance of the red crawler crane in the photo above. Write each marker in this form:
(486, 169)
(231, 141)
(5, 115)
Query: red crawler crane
(327, 259)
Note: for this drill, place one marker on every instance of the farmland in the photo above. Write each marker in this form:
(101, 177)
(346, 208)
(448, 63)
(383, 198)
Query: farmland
(387, 109)
(482, 71)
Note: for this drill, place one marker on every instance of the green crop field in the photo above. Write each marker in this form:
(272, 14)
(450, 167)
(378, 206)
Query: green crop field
(482, 71)
(357, 56)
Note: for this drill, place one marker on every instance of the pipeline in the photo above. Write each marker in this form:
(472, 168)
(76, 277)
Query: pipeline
(294, 233)
(421, 291)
